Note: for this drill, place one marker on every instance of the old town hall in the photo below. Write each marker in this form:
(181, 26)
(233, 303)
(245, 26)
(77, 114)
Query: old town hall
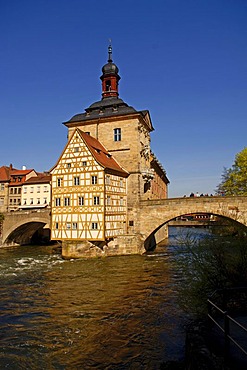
(104, 171)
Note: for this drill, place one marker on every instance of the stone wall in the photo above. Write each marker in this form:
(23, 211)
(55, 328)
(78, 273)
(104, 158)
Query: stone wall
(122, 245)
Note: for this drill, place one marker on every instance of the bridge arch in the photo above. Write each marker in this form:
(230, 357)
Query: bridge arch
(156, 214)
(19, 228)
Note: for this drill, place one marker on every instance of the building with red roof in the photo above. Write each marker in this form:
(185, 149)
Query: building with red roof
(106, 169)
(36, 192)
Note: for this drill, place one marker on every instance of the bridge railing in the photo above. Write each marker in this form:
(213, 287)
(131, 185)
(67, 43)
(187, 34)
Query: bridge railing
(233, 330)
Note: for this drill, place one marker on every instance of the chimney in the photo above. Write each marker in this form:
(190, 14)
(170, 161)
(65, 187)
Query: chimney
(24, 167)
(11, 166)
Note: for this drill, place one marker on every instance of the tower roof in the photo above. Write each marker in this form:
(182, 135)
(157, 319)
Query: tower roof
(110, 105)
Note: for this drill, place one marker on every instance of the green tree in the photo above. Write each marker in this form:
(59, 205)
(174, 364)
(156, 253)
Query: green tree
(234, 179)
(207, 265)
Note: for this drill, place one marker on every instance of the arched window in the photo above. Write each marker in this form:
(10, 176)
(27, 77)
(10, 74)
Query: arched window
(108, 85)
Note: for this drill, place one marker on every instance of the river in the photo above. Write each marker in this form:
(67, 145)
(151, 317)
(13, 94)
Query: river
(106, 313)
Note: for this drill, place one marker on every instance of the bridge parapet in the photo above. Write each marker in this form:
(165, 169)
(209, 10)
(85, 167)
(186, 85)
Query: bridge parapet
(155, 213)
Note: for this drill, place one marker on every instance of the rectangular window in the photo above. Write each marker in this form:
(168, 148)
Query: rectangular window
(19, 202)
(68, 226)
(74, 225)
(117, 134)
(94, 180)
(67, 201)
(38, 201)
(121, 201)
(11, 190)
(59, 181)
(76, 180)
(25, 190)
(31, 190)
(15, 190)
(45, 189)
(56, 226)
(2, 187)
(19, 190)
(45, 200)
(96, 200)
(108, 200)
(1, 201)
(57, 202)
(94, 225)
(38, 189)
(31, 200)
(84, 163)
(76, 149)
(107, 180)
(81, 201)
(121, 183)
(68, 165)
(24, 201)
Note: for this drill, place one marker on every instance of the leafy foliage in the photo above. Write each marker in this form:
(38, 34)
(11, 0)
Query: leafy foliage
(234, 179)
(209, 264)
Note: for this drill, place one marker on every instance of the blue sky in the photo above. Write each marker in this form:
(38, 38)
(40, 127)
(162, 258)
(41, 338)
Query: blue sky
(183, 60)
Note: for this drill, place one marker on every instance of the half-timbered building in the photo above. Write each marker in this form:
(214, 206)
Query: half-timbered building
(88, 192)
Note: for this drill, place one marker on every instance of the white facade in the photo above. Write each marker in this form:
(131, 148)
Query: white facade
(35, 195)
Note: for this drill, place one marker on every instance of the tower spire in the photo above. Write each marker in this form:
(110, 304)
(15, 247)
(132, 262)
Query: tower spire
(109, 52)
(110, 77)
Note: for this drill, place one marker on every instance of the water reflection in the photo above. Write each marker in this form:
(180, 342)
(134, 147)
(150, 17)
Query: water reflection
(112, 313)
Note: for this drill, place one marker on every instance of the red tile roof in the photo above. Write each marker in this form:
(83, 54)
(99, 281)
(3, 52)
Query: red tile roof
(40, 179)
(20, 172)
(4, 173)
(102, 156)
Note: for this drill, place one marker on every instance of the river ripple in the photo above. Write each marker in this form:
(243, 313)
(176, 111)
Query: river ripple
(106, 313)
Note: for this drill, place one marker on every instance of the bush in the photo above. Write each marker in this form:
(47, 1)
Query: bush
(215, 262)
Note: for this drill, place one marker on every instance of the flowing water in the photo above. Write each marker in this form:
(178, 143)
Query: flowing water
(106, 313)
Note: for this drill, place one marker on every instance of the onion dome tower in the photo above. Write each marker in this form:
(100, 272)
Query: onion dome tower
(110, 77)
(110, 103)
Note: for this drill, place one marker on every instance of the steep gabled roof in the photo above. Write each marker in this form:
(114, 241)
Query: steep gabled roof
(101, 155)
(99, 152)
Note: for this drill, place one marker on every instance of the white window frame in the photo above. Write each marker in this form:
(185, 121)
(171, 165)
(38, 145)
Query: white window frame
(117, 134)
(76, 180)
(96, 200)
(57, 202)
(94, 179)
(81, 201)
(66, 201)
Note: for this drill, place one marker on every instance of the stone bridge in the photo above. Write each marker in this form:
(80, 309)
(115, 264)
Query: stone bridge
(19, 227)
(155, 214)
